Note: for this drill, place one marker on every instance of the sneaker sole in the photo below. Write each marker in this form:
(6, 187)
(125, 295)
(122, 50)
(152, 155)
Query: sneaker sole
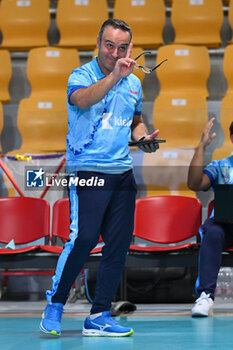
(96, 333)
(49, 332)
(199, 314)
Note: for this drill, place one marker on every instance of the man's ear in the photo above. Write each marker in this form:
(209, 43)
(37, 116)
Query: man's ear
(98, 42)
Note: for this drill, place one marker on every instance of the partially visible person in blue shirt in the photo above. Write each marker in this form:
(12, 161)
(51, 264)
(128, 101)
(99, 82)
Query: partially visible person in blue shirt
(215, 237)
(104, 102)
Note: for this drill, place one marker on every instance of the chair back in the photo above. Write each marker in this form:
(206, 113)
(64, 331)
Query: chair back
(24, 24)
(197, 22)
(146, 19)
(42, 123)
(48, 70)
(186, 71)
(79, 22)
(24, 219)
(167, 219)
(5, 75)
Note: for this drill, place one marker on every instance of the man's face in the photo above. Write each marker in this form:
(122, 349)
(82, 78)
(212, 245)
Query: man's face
(114, 45)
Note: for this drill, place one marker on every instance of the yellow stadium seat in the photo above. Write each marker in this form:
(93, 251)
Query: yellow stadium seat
(146, 19)
(180, 109)
(180, 119)
(166, 170)
(24, 24)
(230, 16)
(42, 124)
(183, 190)
(79, 22)
(5, 75)
(226, 118)
(226, 112)
(223, 152)
(186, 71)
(197, 22)
(48, 69)
(228, 69)
(157, 190)
(141, 61)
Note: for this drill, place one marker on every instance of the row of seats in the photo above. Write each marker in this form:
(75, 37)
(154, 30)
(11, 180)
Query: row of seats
(48, 69)
(186, 71)
(25, 24)
(180, 109)
(27, 220)
(24, 221)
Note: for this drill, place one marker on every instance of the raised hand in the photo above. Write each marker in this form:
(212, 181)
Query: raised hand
(206, 136)
(124, 66)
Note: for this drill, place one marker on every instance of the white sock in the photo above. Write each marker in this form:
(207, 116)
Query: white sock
(93, 316)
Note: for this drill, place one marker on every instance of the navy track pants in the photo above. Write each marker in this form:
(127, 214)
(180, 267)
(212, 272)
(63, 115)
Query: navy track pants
(109, 211)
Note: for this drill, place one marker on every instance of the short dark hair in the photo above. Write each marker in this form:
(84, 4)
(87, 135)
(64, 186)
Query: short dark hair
(231, 128)
(116, 24)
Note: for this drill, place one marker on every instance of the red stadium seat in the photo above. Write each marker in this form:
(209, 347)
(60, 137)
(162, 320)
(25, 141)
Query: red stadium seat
(23, 220)
(167, 220)
(61, 226)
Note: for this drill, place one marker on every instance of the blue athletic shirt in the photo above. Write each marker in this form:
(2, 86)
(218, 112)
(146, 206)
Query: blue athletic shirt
(220, 172)
(98, 136)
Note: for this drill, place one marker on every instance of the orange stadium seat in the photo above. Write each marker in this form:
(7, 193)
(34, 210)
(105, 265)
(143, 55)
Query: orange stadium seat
(226, 112)
(42, 124)
(24, 24)
(228, 70)
(5, 75)
(180, 109)
(171, 164)
(146, 19)
(79, 22)
(230, 15)
(186, 71)
(197, 22)
(48, 70)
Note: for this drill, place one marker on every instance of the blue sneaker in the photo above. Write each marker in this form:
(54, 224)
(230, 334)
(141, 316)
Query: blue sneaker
(104, 325)
(51, 319)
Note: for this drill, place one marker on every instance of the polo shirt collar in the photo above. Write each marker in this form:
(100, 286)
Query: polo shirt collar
(98, 71)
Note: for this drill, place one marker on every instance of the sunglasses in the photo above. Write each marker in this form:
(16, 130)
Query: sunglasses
(146, 69)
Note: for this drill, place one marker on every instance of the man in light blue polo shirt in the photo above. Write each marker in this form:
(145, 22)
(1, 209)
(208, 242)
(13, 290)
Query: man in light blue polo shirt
(215, 237)
(104, 112)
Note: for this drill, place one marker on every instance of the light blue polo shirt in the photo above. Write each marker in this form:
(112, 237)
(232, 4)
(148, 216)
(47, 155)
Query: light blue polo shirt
(98, 136)
(220, 172)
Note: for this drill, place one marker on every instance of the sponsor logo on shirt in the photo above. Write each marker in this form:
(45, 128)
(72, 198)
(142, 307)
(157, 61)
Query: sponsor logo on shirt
(109, 121)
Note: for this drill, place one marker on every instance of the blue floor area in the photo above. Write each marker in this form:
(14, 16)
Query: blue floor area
(167, 332)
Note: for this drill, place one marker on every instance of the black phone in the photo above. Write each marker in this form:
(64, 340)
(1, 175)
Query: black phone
(145, 142)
